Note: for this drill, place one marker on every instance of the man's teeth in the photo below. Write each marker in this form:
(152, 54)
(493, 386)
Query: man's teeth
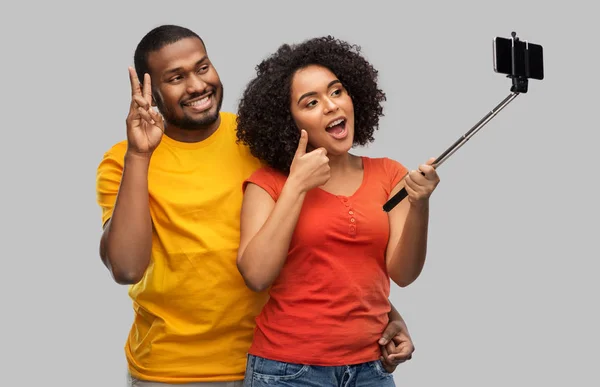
(199, 102)
(336, 122)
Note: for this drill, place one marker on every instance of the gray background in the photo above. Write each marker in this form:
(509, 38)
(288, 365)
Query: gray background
(509, 294)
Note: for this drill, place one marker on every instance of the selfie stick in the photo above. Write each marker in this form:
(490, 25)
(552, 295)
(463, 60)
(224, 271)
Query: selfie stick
(519, 85)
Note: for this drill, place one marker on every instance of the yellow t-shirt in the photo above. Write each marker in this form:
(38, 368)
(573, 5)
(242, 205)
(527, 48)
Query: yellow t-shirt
(194, 316)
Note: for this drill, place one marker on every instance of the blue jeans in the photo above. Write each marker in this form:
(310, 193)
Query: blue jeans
(261, 372)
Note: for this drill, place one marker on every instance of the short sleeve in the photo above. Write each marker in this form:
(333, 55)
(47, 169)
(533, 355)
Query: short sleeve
(395, 171)
(268, 179)
(108, 181)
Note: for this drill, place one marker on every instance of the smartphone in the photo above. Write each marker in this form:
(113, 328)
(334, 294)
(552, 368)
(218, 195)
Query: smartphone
(529, 58)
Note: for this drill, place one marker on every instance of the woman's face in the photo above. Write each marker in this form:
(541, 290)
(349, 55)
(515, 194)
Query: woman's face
(321, 106)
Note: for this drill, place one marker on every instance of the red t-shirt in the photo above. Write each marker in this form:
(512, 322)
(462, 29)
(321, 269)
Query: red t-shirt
(329, 304)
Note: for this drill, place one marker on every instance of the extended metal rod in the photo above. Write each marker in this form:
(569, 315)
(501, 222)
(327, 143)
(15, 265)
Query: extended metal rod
(461, 141)
(396, 199)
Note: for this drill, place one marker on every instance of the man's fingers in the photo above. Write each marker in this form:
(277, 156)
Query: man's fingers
(389, 332)
(147, 88)
(135, 82)
(385, 339)
(386, 361)
(146, 115)
(158, 119)
(141, 102)
(397, 358)
(401, 339)
(390, 347)
(399, 355)
(403, 352)
(384, 351)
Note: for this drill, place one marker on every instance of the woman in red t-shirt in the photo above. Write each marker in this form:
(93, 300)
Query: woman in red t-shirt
(312, 225)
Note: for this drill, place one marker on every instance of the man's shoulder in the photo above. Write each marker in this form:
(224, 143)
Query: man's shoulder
(229, 114)
(114, 154)
(229, 119)
(118, 148)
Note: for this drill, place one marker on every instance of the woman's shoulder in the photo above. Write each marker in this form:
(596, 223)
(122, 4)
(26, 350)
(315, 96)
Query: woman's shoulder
(386, 170)
(268, 178)
(384, 163)
(267, 172)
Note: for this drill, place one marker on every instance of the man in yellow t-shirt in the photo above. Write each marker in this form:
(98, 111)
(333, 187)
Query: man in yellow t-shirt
(171, 197)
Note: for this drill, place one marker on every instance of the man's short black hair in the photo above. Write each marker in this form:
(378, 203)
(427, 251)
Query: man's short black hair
(154, 41)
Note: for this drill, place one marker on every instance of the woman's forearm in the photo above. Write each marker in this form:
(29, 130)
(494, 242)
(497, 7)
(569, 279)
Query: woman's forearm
(407, 261)
(263, 257)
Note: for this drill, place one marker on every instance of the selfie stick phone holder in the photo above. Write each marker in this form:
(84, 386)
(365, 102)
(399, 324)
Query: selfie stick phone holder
(519, 86)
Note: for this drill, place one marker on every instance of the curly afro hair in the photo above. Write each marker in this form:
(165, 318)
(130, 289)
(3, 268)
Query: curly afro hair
(264, 121)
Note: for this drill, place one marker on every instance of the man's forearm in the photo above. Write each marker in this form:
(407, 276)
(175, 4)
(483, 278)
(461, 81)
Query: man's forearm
(395, 316)
(127, 238)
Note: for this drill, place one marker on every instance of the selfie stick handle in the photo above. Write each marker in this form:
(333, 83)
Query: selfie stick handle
(397, 198)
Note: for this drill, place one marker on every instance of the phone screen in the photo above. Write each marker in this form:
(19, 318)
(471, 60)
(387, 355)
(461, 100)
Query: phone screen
(525, 54)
